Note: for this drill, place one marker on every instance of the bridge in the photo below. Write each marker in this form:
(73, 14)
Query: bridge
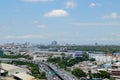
(24, 60)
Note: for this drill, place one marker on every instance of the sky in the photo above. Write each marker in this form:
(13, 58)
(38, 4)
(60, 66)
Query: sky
(65, 21)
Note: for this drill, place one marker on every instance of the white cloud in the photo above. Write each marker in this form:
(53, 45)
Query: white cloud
(97, 24)
(113, 15)
(30, 36)
(92, 5)
(42, 26)
(57, 13)
(70, 4)
(37, 0)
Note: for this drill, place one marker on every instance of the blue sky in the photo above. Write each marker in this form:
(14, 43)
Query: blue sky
(66, 21)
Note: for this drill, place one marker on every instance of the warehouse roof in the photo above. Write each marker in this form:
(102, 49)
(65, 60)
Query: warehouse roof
(24, 76)
(8, 67)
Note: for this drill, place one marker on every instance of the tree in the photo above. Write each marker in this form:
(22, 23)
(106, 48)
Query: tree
(101, 74)
(78, 73)
(96, 75)
(95, 63)
(92, 59)
(63, 55)
(105, 74)
(112, 79)
(42, 75)
(11, 52)
(85, 56)
(90, 75)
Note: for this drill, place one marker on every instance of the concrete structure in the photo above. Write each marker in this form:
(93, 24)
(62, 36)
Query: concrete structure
(43, 55)
(40, 57)
(22, 76)
(11, 69)
(51, 52)
(56, 56)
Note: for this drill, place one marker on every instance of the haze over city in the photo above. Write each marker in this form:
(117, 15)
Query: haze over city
(66, 21)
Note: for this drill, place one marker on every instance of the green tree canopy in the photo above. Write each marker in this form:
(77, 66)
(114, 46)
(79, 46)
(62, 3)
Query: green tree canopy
(1, 53)
(78, 73)
(101, 74)
(85, 56)
(105, 74)
(92, 59)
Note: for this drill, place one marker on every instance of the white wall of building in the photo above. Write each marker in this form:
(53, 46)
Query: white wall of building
(102, 57)
(39, 58)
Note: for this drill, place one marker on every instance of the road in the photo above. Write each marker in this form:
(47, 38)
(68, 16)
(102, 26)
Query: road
(66, 75)
(49, 73)
(52, 71)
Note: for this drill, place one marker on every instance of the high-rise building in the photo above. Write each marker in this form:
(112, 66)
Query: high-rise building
(54, 43)
(96, 44)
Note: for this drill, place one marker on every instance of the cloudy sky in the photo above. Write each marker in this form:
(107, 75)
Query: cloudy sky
(66, 21)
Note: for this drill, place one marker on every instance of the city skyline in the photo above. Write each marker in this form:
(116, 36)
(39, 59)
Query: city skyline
(65, 21)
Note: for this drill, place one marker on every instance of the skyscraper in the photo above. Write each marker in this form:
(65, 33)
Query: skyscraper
(54, 43)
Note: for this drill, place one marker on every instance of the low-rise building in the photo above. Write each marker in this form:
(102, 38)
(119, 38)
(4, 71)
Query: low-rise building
(10, 70)
(115, 71)
(40, 57)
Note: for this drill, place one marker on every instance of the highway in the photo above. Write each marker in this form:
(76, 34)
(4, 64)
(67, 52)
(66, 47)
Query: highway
(49, 73)
(66, 75)
(52, 71)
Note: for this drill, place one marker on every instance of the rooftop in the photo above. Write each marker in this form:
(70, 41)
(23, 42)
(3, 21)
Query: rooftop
(24, 76)
(8, 67)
